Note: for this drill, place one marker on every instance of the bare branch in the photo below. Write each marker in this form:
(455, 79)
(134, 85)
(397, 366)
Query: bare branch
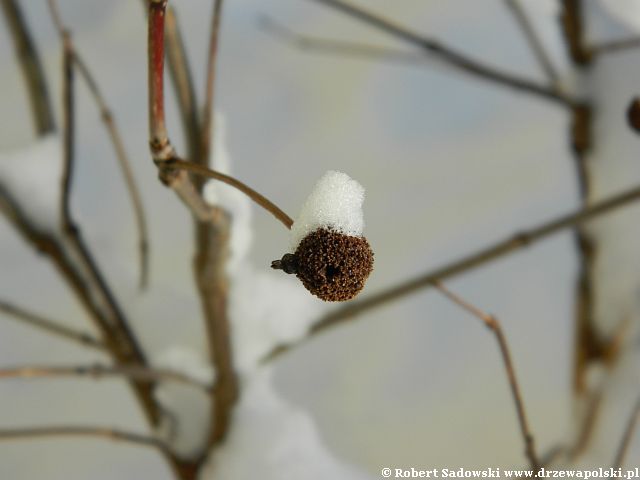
(250, 192)
(212, 249)
(50, 326)
(73, 431)
(585, 351)
(208, 118)
(115, 326)
(628, 435)
(449, 55)
(515, 7)
(98, 372)
(464, 264)
(493, 324)
(31, 68)
(212, 235)
(161, 148)
(116, 140)
(183, 84)
(159, 139)
(323, 45)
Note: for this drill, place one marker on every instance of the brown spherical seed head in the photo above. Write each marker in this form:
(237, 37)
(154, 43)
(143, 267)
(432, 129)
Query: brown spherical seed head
(633, 114)
(333, 266)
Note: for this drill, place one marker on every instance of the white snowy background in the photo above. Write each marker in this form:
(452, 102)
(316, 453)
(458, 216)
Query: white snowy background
(449, 164)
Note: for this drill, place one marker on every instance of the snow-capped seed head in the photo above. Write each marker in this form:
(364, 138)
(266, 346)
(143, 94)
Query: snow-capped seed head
(335, 203)
(633, 114)
(327, 250)
(331, 265)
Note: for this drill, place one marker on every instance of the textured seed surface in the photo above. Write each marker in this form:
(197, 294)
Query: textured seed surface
(333, 266)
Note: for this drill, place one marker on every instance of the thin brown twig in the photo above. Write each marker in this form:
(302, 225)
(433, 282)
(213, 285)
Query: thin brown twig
(158, 137)
(258, 198)
(625, 443)
(212, 235)
(588, 425)
(183, 83)
(212, 248)
(615, 45)
(113, 434)
(493, 324)
(324, 45)
(208, 116)
(116, 140)
(68, 132)
(98, 371)
(466, 263)
(161, 148)
(51, 326)
(31, 68)
(115, 326)
(76, 279)
(534, 41)
(449, 55)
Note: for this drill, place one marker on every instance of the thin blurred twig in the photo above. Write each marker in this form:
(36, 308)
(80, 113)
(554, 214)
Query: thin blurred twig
(113, 323)
(324, 45)
(628, 436)
(180, 72)
(615, 45)
(51, 326)
(29, 60)
(73, 431)
(449, 55)
(494, 325)
(97, 371)
(116, 140)
(573, 28)
(534, 41)
(587, 341)
(208, 116)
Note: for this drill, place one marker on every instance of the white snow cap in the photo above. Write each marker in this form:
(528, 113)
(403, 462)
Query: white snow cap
(335, 203)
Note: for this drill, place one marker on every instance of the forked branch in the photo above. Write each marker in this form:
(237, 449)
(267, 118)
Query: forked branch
(448, 55)
(534, 41)
(116, 139)
(212, 234)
